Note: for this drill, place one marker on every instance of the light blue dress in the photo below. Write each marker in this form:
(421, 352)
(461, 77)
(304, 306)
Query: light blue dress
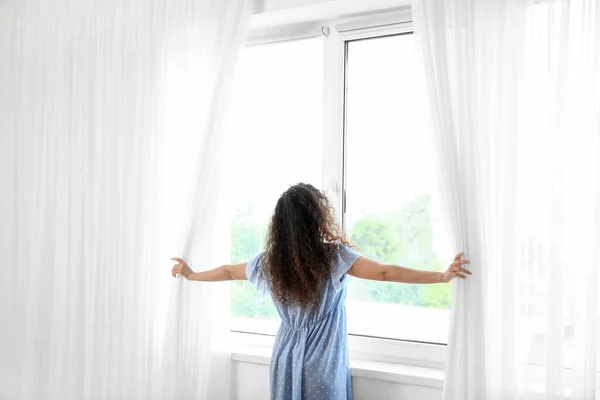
(310, 355)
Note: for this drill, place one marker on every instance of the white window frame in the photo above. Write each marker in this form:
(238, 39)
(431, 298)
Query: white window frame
(338, 34)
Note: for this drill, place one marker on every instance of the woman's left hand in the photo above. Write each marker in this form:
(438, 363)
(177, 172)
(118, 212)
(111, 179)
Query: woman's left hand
(455, 270)
(181, 268)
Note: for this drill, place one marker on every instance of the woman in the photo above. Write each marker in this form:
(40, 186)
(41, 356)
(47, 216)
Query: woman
(304, 268)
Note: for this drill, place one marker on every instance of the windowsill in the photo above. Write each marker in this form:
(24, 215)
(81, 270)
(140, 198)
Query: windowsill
(391, 372)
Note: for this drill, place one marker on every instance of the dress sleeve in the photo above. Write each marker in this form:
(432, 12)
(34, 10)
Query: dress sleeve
(253, 273)
(347, 256)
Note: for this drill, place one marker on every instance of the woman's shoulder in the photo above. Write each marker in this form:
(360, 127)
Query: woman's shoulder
(347, 251)
(346, 257)
(254, 272)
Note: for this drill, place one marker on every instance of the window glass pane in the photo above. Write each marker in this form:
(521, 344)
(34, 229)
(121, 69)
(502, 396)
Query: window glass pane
(277, 104)
(393, 211)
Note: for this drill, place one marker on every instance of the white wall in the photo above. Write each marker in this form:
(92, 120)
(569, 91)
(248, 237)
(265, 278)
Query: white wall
(277, 5)
(251, 382)
(369, 389)
(271, 13)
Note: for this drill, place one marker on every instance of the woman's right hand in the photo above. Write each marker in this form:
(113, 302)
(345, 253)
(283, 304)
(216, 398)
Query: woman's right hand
(455, 270)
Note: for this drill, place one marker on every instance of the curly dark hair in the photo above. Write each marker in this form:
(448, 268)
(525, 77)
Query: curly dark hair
(302, 245)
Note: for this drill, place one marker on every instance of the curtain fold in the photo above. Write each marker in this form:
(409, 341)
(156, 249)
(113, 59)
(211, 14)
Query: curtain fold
(514, 94)
(111, 152)
(197, 346)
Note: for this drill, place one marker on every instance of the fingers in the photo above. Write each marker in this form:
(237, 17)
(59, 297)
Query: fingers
(176, 270)
(456, 267)
(464, 271)
(456, 271)
(179, 260)
(179, 267)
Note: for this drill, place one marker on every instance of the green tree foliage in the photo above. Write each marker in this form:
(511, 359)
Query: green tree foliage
(247, 236)
(247, 240)
(404, 237)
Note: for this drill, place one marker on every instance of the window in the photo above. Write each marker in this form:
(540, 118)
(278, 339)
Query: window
(278, 107)
(392, 208)
(382, 159)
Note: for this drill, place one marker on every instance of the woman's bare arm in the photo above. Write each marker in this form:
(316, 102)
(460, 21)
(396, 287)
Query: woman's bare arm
(366, 268)
(226, 272)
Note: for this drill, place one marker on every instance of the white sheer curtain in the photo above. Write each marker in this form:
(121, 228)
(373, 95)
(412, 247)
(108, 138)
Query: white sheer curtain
(110, 145)
(514, 88)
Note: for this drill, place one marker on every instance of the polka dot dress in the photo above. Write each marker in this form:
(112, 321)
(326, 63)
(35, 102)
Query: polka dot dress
(310, 355)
